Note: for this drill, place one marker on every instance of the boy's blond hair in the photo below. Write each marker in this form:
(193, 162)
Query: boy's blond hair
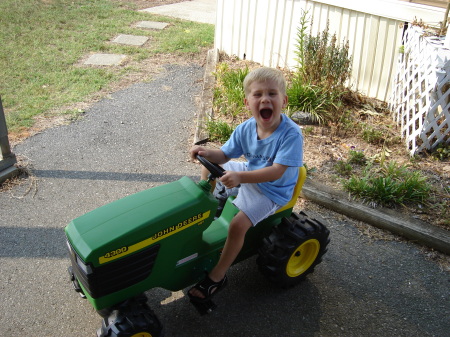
(263, 74)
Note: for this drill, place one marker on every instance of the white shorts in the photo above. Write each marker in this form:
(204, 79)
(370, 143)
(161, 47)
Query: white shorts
(250, 198)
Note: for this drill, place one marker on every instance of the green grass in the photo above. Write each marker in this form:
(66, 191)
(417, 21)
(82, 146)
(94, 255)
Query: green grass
(185, 37)
(42, 44)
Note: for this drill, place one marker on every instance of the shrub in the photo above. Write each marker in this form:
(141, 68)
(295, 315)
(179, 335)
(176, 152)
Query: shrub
(323, 69)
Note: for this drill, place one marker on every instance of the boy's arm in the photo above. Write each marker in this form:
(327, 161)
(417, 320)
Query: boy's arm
(270, 173)
(213, 155)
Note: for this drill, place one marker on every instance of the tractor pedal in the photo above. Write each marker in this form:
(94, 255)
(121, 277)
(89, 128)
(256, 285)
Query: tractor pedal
(204, 307)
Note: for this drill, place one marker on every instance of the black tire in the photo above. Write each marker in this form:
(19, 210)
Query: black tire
(293, 249)
(133, 318)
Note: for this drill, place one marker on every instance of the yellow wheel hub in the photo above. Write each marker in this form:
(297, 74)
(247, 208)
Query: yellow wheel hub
(302, 258)
(142, 334)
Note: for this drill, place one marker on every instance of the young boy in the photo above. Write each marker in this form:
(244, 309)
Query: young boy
(273, 147)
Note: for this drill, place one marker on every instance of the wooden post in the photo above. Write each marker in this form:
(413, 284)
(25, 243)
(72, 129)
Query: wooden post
(8, 159)
(444, 22)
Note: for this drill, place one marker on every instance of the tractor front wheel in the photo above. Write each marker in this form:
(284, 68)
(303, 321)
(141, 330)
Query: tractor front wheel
(293, 249)
(133, 318)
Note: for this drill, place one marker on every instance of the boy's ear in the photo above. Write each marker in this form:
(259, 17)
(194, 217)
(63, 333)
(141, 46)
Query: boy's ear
(246, 103)
(285, 101)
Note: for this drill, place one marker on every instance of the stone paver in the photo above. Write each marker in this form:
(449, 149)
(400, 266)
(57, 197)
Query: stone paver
(131, 40)
(152, 25)
(105, 59)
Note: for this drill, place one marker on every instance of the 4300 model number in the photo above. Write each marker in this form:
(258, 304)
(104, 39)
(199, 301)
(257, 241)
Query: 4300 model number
(115, 252)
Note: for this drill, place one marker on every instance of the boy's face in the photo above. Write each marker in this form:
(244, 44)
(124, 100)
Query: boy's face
(266, 101)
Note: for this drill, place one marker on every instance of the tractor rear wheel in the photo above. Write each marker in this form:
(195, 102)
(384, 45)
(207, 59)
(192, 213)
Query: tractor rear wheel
(133, 318)
(293, 249)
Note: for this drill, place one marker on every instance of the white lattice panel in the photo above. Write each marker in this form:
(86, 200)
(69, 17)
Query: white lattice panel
(421, 97)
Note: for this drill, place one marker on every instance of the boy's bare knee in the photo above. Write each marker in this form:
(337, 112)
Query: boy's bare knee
(239, 225)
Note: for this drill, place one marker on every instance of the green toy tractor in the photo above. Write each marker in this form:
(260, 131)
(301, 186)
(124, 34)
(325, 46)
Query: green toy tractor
(168, 237)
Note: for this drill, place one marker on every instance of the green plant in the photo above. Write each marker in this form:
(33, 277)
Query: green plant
(307, 130)
(219, 131)
(323, 69)
(345, 122)
(356, 157)
(372, 135)
(343, 168)
(229, 92)
(322, 61)
(441, 152)
(391, 184)
(310, 98)
(309, 170)
(301, 37)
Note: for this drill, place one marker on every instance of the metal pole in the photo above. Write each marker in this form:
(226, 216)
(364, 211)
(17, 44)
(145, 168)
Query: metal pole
(8, 159)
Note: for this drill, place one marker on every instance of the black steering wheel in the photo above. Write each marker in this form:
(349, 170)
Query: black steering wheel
(215, 170)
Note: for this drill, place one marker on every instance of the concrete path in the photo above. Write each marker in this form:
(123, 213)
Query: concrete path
(195, 10)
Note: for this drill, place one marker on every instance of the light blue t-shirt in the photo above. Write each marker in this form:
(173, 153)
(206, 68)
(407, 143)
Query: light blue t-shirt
(284, 146)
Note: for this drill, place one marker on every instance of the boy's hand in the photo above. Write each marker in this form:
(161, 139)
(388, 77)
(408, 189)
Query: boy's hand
(197, 150)
(231, 179)
(213, 155)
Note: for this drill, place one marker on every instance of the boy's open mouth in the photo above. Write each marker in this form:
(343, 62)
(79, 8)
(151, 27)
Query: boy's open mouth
(266, 113)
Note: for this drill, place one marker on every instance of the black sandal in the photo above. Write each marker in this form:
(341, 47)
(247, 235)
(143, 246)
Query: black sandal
(208, 288)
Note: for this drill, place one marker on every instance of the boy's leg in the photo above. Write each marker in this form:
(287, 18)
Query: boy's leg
(233, 245)
(204, 173)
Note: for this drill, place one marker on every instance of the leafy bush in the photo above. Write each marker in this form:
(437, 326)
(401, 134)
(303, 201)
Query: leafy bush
(323, 69)
(323, 61)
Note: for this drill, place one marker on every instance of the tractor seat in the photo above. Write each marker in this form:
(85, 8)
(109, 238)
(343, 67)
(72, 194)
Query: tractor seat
(297, 189)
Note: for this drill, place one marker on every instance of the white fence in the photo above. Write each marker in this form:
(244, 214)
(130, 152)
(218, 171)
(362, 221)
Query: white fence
(421, 99)
(265, 31)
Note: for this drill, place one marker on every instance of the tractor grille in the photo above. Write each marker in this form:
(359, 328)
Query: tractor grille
(114, 276)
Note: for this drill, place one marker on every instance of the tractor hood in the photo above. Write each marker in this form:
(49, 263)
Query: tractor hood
(140, 220)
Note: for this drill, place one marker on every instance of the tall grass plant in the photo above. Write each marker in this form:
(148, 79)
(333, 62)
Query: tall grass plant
(229, 91)
(389, 184)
